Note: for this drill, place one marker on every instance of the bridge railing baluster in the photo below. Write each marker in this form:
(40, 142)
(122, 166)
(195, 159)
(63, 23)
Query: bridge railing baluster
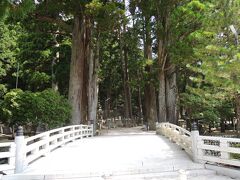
(24, 151)
(203, 149)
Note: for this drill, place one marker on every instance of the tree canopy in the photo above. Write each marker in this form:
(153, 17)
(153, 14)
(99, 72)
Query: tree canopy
(147, 61)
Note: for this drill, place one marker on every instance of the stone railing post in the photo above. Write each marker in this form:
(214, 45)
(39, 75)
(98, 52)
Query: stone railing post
(20, 156)
(224, 145)
(194, 137)
(93, 124)
(46, 139)
(93, 127)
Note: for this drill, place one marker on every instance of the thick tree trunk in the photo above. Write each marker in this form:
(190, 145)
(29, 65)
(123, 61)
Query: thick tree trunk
(140, 109)
(77, 69)
(150, 106)
(88, 48)
(167, 83)
(93, 85)
(149, 91)
(127, 80)
(171, 95)
(222, 125)
(162, 105)
(162, 98)
(126, 86)
(84, 103)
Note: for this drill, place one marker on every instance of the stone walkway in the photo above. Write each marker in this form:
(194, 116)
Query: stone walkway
(118, 154)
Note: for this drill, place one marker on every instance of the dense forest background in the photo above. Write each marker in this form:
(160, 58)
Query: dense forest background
(79, 61)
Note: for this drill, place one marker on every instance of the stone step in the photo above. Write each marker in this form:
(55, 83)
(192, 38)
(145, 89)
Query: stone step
(178, 175)
(170, 175)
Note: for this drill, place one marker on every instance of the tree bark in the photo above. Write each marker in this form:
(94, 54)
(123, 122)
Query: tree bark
(162, 98)
(162, 58)
(88, 49)
(84, 102)
(93, 84)
(150, 106)
(126, 86)
(127, 80)
(140, 109)
(167, 97)
(149, 92)
(222, 125)
(77, 69)
(171, 95)
(162, 39)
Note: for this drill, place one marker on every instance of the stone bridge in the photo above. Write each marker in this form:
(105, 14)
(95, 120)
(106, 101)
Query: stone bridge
(119, 154)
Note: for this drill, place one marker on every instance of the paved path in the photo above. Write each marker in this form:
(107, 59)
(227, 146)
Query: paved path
(119, 154)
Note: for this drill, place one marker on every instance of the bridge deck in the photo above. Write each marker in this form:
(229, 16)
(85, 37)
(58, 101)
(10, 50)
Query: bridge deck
(115, 153)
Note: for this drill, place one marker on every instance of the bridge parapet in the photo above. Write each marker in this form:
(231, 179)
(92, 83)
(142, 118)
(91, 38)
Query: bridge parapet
(219, 150)
(17, 155)
(180, 136)
(7, 157)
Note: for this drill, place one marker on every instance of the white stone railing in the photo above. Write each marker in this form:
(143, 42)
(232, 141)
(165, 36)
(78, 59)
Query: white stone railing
(7, 157)
(180, 136)
(203, 149)
(219, 150)
(24, 151)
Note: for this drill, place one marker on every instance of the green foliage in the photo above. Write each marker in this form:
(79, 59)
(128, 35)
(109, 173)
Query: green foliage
(94, 7)
(208, 59)
(53, 109)
(24, 8)
(4, 8)
(187, 20)
(200, 104)
(107, 15)
(46, 107)
(9, 105)
(35, 60)
(9, 34)
(62, 67)
(200, 45)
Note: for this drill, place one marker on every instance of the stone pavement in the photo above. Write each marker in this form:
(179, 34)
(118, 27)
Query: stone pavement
(118, 154)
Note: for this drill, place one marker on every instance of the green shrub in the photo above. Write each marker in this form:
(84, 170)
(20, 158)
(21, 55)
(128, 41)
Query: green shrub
(23, 108)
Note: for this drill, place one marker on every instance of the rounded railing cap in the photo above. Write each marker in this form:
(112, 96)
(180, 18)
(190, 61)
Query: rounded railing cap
(19, 131)
(194, 126)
